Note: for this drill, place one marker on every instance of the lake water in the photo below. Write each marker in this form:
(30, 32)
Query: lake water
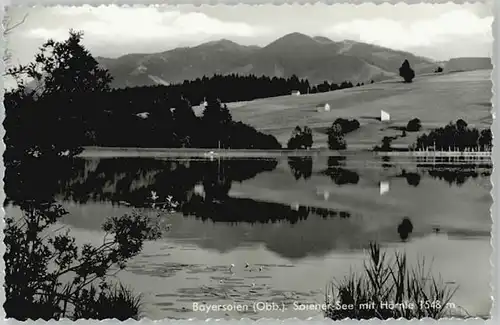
(297, 222)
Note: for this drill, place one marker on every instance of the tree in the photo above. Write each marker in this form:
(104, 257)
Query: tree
(346, 125)
(300, 139)
(485, 139)
(337, 131)
(336, 139)
(406, 72)
(63, 67)
(216, 120)
(461, 125)
(307, 139)
(413, 125)
(50, 108)
(455, 136)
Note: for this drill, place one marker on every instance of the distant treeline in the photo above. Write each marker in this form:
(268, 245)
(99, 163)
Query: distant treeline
(235, 88)
(456, 136)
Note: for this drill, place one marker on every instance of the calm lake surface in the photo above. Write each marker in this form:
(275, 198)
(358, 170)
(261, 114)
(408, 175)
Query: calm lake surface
(297, 222)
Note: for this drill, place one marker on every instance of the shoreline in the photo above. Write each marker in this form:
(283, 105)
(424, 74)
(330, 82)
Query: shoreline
(121, 152)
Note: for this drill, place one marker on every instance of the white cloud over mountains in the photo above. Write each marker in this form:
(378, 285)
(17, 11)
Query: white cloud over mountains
(439, 31)
(136, 24)
(448, 27)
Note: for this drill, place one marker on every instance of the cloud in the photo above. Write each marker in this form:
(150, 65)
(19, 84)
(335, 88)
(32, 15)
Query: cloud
(129, 25)
(448, 27)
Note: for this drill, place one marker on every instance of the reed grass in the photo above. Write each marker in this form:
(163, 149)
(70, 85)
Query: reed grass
(389, 288)
(114, 302)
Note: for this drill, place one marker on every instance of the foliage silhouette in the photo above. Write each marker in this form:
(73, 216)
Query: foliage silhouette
(337, 131)
(405, 228)
(61, 71)
(386, 144)
(339, 175)
(300, 139)
(412, 178)
(346, 125)
(47, 275)
(414, 125)
(37, 265)
(406, 72)
(384, 281)
(301, 167)
(453, 176)
(69, 95)
(456, 136)
(107, 302)
(336, 139)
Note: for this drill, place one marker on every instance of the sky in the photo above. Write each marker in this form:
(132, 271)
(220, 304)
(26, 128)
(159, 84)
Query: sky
(437, 31)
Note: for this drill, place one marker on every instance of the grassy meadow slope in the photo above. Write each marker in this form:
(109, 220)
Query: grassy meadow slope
(435, 99)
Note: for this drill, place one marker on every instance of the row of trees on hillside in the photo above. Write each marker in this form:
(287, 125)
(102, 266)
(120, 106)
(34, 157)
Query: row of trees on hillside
(326, 86)
(234, 87)
(456, 136)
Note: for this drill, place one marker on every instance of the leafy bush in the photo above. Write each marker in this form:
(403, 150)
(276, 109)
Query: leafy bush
(346, 125)
(386, 281)
(300, 139)
(48, 276)
(414, 125)
(386, 144)
(336, 139)
(337, 131)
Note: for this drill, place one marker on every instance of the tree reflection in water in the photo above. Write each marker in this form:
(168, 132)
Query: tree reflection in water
(301, 167)
(405, 228)
(339, 175)
(200, 186)
(131, 181)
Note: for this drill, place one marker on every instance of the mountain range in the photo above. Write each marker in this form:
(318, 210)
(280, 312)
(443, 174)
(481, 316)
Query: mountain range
(314, 58)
